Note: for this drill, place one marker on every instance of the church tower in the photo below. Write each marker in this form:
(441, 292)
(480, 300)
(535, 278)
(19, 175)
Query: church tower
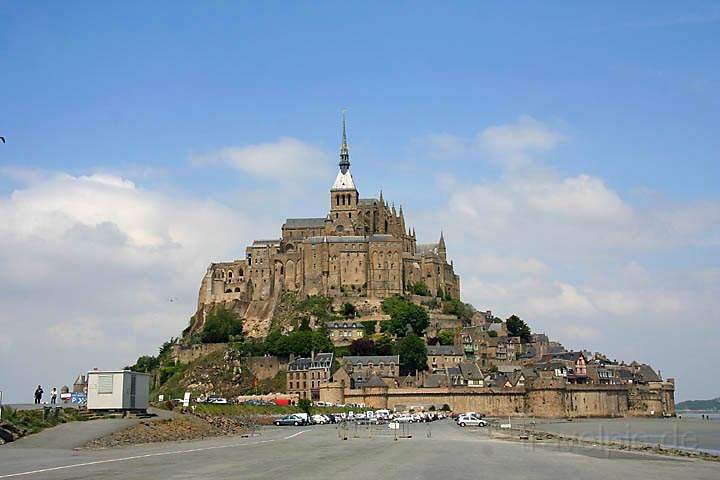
(343, 194)
(442, 250)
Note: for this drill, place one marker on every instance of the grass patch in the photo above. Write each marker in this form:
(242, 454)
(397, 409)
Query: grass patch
(32, 421)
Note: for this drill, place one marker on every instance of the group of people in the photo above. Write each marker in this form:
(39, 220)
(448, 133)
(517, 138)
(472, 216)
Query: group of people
(39, 393)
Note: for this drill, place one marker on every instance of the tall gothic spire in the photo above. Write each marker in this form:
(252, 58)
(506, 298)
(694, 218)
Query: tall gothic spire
(344, 152)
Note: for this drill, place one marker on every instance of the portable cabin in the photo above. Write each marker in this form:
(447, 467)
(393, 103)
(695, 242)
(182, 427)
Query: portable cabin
(117, 390)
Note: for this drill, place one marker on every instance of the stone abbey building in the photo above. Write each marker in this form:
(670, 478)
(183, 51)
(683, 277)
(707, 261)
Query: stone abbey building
(360, 248)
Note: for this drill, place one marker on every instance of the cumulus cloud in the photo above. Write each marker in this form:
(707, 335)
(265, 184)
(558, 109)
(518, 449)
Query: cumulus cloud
(511, 146)
(578, 259)
(515, 145)
(285, 159)
(88, 263)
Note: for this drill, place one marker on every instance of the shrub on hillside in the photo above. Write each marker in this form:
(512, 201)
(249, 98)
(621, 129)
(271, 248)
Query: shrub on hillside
(413, 354)
(220, 325)
(405, 317)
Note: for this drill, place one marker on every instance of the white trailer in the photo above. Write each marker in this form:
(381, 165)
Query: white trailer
(118, 390)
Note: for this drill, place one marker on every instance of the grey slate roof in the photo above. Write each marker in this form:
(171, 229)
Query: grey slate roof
(374, 381)
(426, 248)
(444, 350)
(374, 359)
(266, 242)
(368, 201)
(647, 374)
(322, 360)
(351, 239)
(304, 223)
(343, 324)
(435, 380)
(470, 371)
(572, 356)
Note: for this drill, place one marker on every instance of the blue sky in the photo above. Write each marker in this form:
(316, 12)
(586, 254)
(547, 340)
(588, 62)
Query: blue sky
(620, 101)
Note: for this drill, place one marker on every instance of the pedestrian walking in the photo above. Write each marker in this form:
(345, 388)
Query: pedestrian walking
(38, 394)
(53, 396)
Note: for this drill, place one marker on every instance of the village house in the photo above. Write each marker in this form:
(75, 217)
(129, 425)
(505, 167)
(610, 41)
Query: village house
(360, 368)
(575, 363)
(440, 357)
(344, 333)
(305, 375)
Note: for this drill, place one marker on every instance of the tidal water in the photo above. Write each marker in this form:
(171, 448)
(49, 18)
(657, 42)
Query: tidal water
(690, 432)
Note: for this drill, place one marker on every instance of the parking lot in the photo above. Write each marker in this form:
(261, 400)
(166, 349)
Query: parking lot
(315, 452)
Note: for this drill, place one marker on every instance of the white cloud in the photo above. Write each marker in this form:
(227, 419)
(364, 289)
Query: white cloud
(581, 261)
(285, 159)
(514, 145)
(91, 261)
(582, 197)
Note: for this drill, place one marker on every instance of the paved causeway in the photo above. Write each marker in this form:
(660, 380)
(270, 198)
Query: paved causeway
(316, 453)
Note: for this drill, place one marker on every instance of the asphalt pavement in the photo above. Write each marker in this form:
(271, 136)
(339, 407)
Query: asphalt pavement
(441, 450)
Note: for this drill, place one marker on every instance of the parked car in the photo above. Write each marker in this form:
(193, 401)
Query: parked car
(471, 420)
(217, 400)
(294, 420)
(319, 419)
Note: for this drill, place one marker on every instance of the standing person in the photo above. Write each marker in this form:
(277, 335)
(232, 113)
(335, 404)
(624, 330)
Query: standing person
(53, 395)
(38, 394)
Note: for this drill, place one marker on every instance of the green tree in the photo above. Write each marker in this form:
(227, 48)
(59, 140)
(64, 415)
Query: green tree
(305, 405)
(349, 310)
(404, 317)
(492, 333)
(362, 347)
(464, 311)
(220, 325)
(369, 327)
(318, 306)
(446, 337)
(321, 342)
(384, 345)
(419, 288)
(146, 363)
(413, 353)
(518, 328)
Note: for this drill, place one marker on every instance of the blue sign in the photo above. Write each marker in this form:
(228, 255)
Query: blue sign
(78, 398)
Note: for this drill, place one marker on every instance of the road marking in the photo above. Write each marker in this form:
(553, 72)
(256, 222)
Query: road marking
(288, 438)
(136, 457)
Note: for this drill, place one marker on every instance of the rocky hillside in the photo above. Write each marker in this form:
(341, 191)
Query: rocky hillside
(223, 373)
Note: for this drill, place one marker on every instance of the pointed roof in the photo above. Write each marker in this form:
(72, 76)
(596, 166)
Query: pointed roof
(344, 151)
(441, 243)
(374, 382)
(344, 180)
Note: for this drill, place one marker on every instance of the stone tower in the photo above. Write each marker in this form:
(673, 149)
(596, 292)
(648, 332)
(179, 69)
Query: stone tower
(343, 194)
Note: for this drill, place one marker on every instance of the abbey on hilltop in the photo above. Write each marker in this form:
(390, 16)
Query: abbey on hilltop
(361, 248)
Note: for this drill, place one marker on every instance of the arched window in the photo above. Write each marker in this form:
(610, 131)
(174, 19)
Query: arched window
(237, 289)
(343, 199)
(240, 272)
(229, 274)
(337, 200)
(282, 270)
(386, 225)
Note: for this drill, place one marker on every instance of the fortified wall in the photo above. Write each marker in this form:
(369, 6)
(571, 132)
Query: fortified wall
(549, 402)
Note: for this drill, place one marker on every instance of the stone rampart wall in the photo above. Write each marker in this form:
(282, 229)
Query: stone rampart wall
(550, 402)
